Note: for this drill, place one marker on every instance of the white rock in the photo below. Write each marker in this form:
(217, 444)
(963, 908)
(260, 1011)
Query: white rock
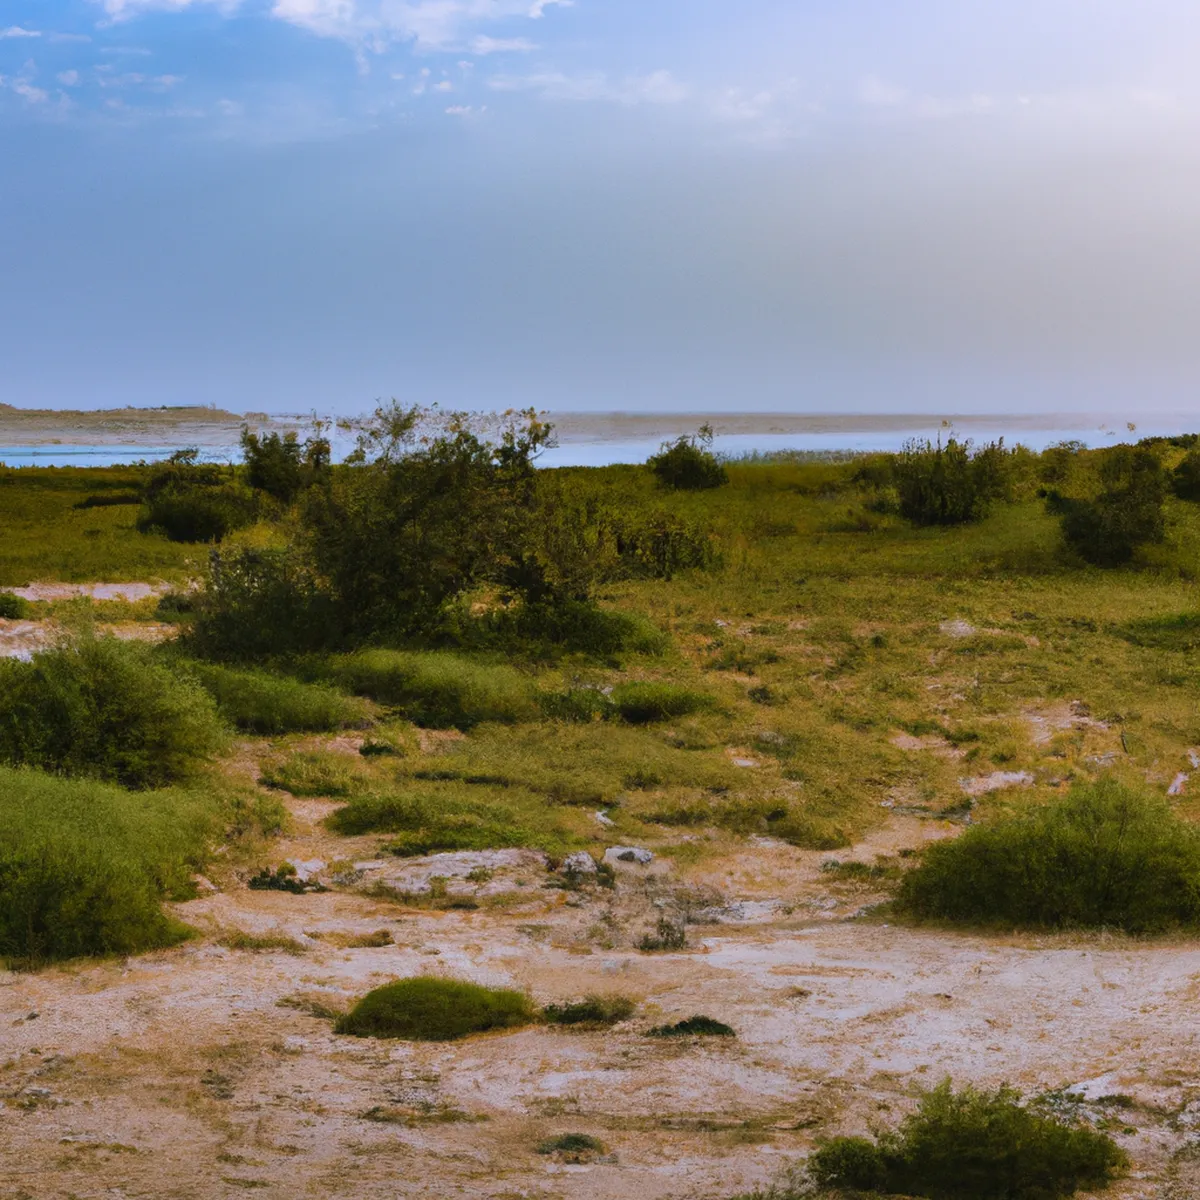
(306, 869)
(628, 854)
(602, 818)
(579, 863)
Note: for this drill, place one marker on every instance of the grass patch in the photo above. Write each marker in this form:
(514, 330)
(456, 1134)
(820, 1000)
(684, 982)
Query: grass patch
(238, 939)
(314, 773)
(698, 1026)
(986, 1145)
(84, 866)
(646, 703)
(106, 709)
(573, 1147)
(1105, 856)
(593, 1011)
(438, 691)
(435, 1010)
(258, 702)
(13, 607)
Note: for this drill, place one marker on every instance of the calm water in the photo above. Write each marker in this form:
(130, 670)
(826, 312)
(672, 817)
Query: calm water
(585, 452)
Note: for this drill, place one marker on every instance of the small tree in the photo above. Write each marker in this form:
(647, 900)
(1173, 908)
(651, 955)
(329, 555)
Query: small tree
(1185, 479)
(283, 466)
(950, 484)
(688, 463)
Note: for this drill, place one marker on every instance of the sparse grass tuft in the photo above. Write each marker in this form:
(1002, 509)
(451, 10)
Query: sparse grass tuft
(435, 1010)
(592, 1011)
(239, 939)
(573, 1147)
(645, 703)
(314, 773)
(697, 1026)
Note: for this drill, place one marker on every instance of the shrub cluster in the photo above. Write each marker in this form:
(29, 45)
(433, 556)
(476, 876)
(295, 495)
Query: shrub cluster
(1104, 856)
(986, 1145)
(949, 484)
(283, 466)
(12, 606)
(193, 502)
(435, 1010)
(688, 463)
(107, 709)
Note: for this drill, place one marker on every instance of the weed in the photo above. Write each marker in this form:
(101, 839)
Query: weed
(435, 1010)
(13, 607)
(667, 935)
(573, 1147)
(697, 1026)
(313, 773)
(592, 1011)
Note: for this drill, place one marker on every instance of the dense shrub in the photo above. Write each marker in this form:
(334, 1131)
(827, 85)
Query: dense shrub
(438, 690)
(83, 865)
(949, 484)
(12, 606)
(1103, 856)
(1108, 529)
(654, 544)
(985, 1145)
(688, 463)
(643, 703)
(593, 1011)
(258, 702)
(435, 1010)
(698, 1026)
(107, 709)
(283, 466)
(198, 513)
(1185, 479)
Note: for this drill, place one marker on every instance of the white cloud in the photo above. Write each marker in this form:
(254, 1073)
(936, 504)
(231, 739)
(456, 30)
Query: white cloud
(483, 45)
(660, 87)
(121, 10)
(26, 90)
(465, 110)
(444, 86)
(68, 78)
(16, 31)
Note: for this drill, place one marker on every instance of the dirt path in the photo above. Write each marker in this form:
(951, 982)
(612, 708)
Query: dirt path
(201, 1071)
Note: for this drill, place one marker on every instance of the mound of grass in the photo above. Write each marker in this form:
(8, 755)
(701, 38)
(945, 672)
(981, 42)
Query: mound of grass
(107, 709)
(261, 703)
(438, 691)
(986, 1145)
(574, 1147)
(84, 865)
(313, 773)
(435, 1010)
(697, 1026)
(1104, 856)
(13, 607)
(594, 1011)
(644, 703)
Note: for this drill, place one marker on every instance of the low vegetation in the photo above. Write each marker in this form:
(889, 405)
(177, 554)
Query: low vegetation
(313, 773)
(13, 607)
(689, 464)
(698, 1026)
(1106, 856)
(594, 1012)
(986, 1145)
(426, 1009)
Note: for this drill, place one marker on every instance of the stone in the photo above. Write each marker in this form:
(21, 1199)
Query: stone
(579, 863)
(628, 854)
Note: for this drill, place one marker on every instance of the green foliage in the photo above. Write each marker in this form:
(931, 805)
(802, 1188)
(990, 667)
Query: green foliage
(986, 1145)
(438, 690)
(1185, 479)
(284, 878)
(193, 502)
(697, 1026)
(107, 709)
(657, 544)
(951, 484)
(1104, 856)
(83, 865)
(594, 1011)
(261, 703)
(1110, 528)
(435, 1010)
(688, 463)
(314, 773)
(645, 703)
(668, 935)
(12, 607)
(573, 1146)
(282, 466)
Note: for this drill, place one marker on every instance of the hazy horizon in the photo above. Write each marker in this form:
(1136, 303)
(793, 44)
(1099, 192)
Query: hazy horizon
(601, 206)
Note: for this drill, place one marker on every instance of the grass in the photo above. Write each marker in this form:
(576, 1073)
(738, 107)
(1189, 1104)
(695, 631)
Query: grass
(986, 1145)
(313, 773)
(573, 1147)
(84, 866)
(239, 939)
(595, 1011)
(438, 690)
(645, 703)
(266, 704)
(698, 1026)
(435, 1010)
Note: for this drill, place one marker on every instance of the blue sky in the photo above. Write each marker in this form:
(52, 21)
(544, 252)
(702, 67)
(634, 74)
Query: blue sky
(970, 205)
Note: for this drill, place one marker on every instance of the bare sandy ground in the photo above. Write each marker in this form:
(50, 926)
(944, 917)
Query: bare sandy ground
(198, 1072)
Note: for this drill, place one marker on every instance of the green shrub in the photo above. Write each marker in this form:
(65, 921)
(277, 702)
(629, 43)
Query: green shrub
(644, 703)
(575, 1147)
(108, 709)
(1104, 856)
(435, 1010)
(282, 466)
(1185, 479)
(580, 705)
(593, 1011)
(438, 691)
(951, 484)
(693, 1027)
(12, 606)
(985, 1145)
(659, 544)
(84, 866)
(199, 514)
(258, 702)
(688, 463)
(313, 773)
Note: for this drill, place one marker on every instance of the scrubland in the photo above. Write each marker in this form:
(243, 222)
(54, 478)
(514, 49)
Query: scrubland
(917, 801)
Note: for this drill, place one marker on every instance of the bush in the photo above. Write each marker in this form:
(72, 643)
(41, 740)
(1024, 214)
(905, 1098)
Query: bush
(595, 1011)
(1127, 514)
(437, 690)
(658, 545)
(84, 866)
(12, 606)
(644, 703)
(283, 467)
(313, 773)
(108, 709)
(1185, 479)
(688, 463)
(435, 1010)
(1104, 856)
(270, 704)
(198, 514)
(951, 484)
(985, 1145)
(574, 1147)
(692, 1027)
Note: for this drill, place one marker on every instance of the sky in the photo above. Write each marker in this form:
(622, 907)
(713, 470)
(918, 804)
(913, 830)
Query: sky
(751, 205)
